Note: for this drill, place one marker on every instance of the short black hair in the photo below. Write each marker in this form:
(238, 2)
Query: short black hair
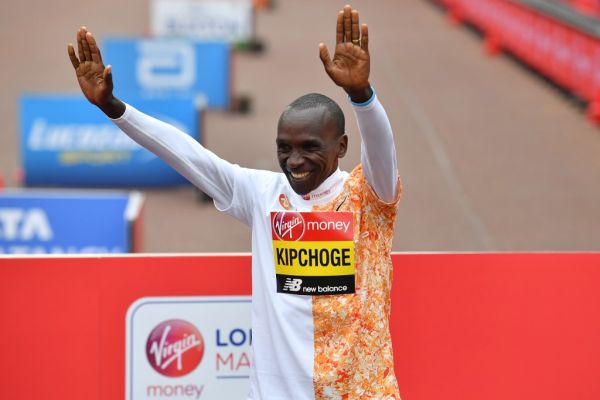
(317, 100)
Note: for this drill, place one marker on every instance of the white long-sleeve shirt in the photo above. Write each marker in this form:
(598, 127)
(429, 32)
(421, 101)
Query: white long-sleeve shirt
(283, 325)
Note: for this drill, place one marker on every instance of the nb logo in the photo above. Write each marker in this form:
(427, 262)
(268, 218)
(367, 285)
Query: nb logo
(292, 285)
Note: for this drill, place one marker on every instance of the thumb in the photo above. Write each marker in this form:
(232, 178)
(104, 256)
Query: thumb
(324, 55)
(107, 76)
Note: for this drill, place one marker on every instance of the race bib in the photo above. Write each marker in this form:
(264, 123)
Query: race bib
(313, 252)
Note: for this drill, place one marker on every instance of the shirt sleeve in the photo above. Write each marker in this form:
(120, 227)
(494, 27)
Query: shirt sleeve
(378, 153)
(211, 174)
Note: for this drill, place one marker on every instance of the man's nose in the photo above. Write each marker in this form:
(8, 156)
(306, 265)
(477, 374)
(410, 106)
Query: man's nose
(295, 160)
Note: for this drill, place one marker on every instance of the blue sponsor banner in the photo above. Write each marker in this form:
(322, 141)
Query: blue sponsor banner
(66, 141)
(48, 222)
(158, 68)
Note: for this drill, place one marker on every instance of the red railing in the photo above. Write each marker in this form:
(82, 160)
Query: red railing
(589, 7)
(561, 51)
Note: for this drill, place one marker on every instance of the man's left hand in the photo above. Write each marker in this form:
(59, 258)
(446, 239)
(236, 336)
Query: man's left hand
(350, 66)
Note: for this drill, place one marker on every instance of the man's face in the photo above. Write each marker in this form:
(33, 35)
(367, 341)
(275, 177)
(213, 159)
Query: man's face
(308, 147)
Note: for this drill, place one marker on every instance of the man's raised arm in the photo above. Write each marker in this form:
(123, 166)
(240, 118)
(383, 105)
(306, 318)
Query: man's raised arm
(350, 68)
(204, 169)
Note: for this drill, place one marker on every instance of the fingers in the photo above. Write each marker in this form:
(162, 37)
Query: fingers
(80, 52)
(350, 25)
(72, 56)
(324, 55)
(347, 23)
(339, 28)
(86, 46)
(94, 50)
(348, 29)
(355, 29)
(364, 38)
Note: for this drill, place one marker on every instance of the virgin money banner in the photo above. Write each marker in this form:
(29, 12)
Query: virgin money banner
(65, 141)
(171, 68)
(188, 348)
(41, 222)
(471, 326)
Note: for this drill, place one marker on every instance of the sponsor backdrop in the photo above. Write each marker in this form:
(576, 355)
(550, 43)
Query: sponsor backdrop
(188, 347)
(65, 141)
(465, 326)
(170, 68)
(38, 222)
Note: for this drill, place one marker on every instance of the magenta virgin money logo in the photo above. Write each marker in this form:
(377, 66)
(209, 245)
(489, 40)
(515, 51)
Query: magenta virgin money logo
(175, 348)
(288, 225)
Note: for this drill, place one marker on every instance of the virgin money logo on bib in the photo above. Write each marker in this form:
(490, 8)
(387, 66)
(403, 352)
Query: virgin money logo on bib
(175, 348)
(288, 225)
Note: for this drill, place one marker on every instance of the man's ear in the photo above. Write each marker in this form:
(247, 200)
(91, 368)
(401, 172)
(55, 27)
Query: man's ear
(342, 146)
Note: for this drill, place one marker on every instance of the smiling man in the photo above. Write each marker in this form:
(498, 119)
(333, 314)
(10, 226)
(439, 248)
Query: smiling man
(321, 237)
(310, 140)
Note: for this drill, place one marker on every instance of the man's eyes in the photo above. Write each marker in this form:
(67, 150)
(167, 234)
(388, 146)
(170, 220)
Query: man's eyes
(283, 148)
(312, 147)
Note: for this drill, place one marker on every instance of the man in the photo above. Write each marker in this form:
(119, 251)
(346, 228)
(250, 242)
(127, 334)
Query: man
(321, 237)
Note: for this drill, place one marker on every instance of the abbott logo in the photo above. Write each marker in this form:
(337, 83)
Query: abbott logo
(292, 285)
(166, 65)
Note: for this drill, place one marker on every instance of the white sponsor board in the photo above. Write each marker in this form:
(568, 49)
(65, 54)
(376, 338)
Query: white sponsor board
(228, 20)
(188, 348)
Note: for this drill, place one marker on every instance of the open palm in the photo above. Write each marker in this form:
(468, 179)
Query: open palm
(94, 78)
(350, 66)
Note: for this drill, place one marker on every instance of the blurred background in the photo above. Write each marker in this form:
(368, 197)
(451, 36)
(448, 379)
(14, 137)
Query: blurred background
(494, 106)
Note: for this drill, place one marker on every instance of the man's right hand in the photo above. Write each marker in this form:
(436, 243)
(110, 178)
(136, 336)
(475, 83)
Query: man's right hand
(94, 78)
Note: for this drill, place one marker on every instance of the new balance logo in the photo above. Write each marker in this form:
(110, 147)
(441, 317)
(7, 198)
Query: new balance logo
(292, 285)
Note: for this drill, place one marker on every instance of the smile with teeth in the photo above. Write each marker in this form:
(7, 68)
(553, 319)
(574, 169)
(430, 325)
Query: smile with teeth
(299, 175)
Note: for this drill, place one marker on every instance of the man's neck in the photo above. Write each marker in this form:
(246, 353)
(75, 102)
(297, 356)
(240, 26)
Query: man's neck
(327, 190)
